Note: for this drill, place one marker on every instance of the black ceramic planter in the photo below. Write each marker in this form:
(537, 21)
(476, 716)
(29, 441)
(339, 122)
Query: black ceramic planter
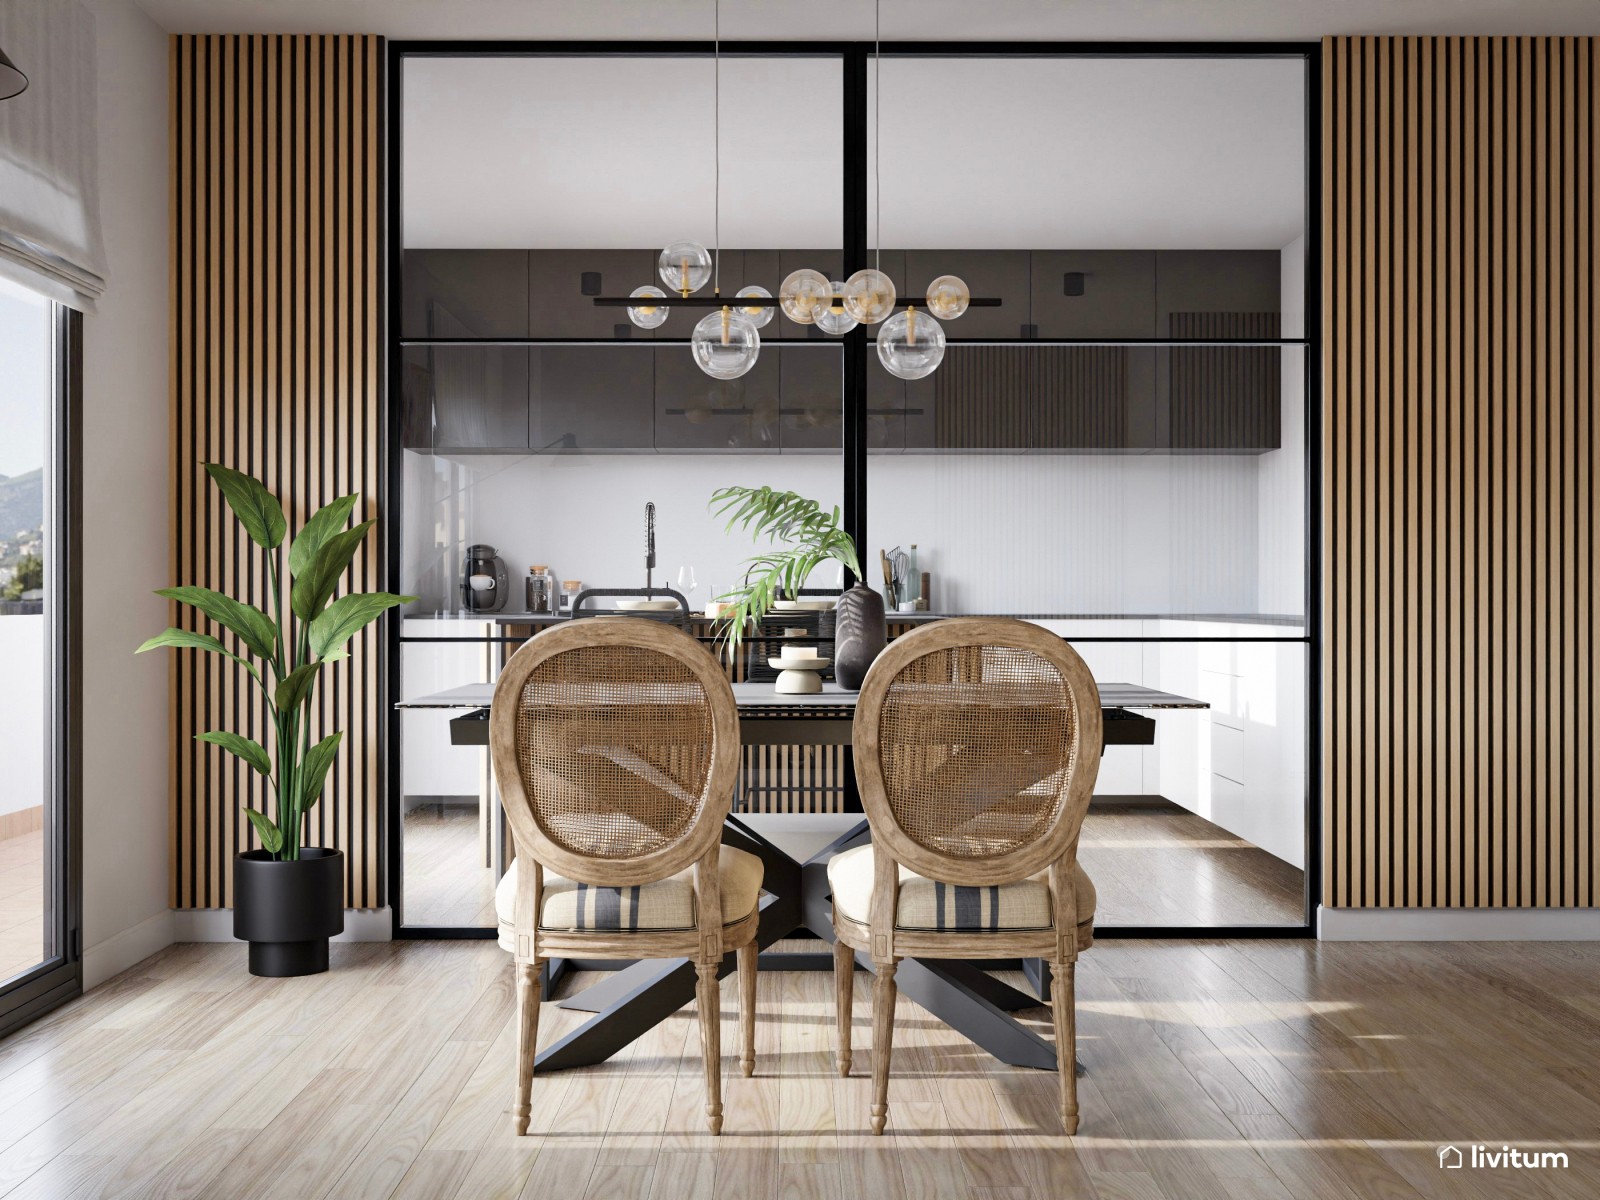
(287, 911)
(859, 635)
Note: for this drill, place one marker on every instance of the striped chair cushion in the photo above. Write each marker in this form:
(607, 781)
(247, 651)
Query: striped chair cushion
(666, 904)
(927, 906)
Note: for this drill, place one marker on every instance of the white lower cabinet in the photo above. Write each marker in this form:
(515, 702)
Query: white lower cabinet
(1243, 764)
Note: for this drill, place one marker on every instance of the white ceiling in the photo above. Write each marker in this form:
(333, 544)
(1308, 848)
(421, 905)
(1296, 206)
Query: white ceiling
(919, 20)
(993, 153)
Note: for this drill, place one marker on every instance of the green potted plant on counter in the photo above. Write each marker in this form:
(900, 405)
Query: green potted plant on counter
(809, 536)
(288, 897)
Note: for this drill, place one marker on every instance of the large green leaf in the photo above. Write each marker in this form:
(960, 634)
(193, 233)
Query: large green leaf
(314, 770)
(188, 639)
(252, 752)
(271, 836)
(324, 523)
(258, 510)
(254, 627)
(315, 584)
(294, 687)
(345, 617)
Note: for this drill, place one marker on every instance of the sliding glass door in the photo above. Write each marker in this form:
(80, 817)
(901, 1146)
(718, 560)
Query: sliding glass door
(38, 949)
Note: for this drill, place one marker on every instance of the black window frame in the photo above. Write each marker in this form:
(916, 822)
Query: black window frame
(57, 978)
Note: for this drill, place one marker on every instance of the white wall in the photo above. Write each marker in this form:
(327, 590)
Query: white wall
(1282, 480)
(1147, 534)
(1001, 533)
(583, 516)
(125, 471)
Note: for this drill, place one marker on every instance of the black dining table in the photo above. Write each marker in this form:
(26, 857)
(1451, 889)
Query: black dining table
(796, 902)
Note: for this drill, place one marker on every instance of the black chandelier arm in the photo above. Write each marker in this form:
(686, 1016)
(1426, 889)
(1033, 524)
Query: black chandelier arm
(747, 302)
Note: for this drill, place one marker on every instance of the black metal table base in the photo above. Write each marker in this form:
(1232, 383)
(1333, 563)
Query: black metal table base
(630, 1001)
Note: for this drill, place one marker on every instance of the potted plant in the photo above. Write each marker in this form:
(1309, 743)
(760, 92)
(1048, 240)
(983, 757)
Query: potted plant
(288, 898)
(813, 537)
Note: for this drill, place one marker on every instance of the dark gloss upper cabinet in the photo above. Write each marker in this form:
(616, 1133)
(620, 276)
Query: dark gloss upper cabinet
(1094, 293)
(694, 412)
(591, 398)
(811, 397)
(563, 284)
(464, 293)
(1219, 283)
(465, 399)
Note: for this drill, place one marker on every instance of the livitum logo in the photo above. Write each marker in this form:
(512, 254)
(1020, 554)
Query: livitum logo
(1486, 1157)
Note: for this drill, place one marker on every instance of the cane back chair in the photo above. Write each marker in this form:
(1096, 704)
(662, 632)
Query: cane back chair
(977, 742)
(616, 747)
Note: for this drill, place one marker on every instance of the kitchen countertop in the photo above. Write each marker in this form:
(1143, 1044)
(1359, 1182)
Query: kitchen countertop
(525, 618)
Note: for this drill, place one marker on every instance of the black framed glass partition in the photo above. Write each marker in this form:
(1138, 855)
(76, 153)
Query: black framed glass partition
(1122, 449)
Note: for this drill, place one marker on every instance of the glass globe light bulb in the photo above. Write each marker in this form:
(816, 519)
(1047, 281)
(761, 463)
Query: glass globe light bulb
(802, 294)
(725, 344)
(910, 344)
(869, 296)
(948, 297)
(831, 316)
(648, 316)
(685, 267)
(756, 315)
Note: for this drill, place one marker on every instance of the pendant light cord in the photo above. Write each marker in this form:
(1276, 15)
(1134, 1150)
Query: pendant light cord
(877, 124)
(716, 143)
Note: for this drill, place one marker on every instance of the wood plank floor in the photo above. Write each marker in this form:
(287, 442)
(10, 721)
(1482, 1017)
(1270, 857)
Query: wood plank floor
(1151, 866)
(1246, 1070)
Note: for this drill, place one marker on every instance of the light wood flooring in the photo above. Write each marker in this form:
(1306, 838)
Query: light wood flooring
(1245, 1070)
(1151, 866)
(21, 902)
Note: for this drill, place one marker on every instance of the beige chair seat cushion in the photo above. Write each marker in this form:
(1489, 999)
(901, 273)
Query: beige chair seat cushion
(666, 904)
(930, 907)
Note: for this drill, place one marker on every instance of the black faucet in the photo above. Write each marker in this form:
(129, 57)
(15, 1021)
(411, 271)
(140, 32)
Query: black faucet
(649, 547)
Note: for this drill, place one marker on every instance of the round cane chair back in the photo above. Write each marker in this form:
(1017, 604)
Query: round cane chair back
(615, 745)
(977, 743)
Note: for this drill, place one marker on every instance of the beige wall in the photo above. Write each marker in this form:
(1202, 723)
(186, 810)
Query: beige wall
(125, 471)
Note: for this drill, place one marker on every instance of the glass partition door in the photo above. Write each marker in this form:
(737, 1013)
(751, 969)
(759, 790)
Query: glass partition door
(534, 426)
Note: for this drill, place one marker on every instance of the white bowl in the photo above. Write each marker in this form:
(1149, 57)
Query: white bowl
(647, 605)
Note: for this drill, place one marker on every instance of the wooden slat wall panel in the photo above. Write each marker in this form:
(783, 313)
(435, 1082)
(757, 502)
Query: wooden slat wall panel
(276, 269)
(1459, 717)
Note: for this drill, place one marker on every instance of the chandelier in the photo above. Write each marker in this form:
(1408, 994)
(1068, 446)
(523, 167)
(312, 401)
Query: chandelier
(726, 343)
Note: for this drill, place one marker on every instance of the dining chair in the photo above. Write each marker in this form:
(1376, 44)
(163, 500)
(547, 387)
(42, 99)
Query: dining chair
(616, 748)
(977, 742)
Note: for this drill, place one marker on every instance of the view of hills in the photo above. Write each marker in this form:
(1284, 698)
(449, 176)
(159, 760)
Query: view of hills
(21, 506)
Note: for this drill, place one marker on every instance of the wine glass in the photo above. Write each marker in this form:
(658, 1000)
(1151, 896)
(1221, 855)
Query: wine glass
(688, 584)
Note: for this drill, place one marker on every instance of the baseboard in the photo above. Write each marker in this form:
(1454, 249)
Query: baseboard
(121, 950)
(216, 925)
(1458, 924)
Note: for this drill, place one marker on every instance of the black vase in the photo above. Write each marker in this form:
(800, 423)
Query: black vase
(287, 911)
(859, 635)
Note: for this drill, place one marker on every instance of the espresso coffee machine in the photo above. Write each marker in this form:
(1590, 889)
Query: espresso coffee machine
(483, 580)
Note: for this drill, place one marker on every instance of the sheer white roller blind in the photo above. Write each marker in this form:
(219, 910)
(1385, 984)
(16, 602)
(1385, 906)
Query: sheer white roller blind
(49, 189)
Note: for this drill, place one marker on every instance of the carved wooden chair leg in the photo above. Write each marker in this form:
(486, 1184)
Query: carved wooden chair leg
(528, 995)
(883, 994)
(707, 1001)
(1063, 1000)
(749, 960)
(844, 992)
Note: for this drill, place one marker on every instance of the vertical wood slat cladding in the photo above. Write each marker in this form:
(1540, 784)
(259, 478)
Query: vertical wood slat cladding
(1459, 448)
(275, 265)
